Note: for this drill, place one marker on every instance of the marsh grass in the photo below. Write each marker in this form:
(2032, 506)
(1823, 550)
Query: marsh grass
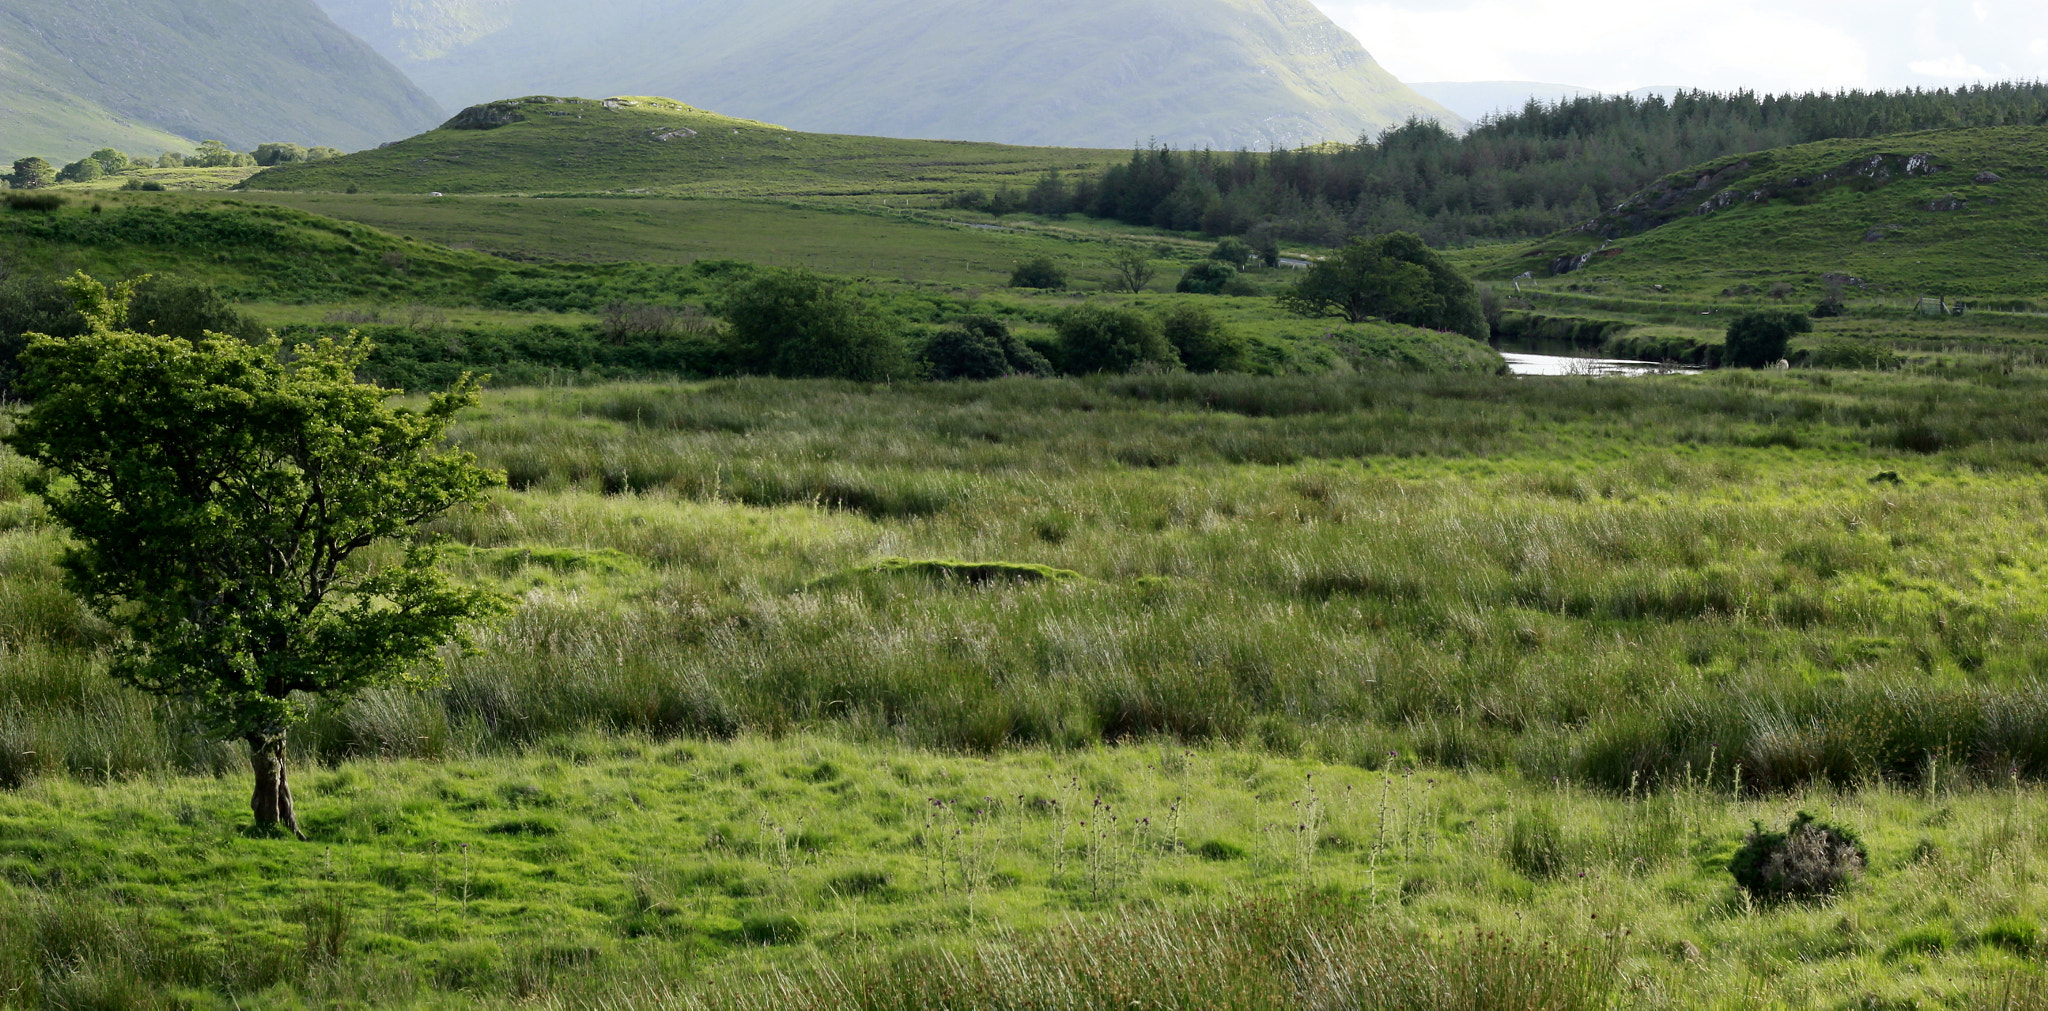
(1458, 654)
(1623, 583)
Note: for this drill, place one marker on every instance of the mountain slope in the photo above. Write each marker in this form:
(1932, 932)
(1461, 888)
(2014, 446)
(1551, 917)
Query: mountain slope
(1943, 212)
(1113, 73)
(241, 71)
(542, 144)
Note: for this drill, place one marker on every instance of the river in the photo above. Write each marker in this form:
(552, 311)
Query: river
(1558, 365)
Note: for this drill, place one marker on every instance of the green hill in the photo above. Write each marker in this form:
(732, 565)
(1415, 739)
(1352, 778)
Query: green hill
(76, 75)
(1219, 73)
(544, 144)
(1949, 212)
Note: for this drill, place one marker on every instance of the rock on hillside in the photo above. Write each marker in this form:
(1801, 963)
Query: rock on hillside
(1100, 73)
(81, 74)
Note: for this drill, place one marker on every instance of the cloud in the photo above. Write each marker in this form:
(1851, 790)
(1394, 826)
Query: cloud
(1954, 66)
(1765, 45)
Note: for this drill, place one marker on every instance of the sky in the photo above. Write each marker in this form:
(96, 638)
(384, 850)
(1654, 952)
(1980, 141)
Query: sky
(1762, 45)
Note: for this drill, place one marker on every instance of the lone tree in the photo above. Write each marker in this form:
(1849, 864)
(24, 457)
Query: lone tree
(1394, 277)
(1757, 339)
(796, 324)
(1133, 267)
(219, 497)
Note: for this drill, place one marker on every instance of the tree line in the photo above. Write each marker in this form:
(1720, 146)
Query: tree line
(1548, 166)
(33, 173)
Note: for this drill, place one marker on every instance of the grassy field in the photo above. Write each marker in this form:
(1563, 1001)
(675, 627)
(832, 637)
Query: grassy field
(1470, 683)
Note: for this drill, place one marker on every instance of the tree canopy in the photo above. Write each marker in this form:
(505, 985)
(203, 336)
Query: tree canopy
(795, 324)
(218, 495)
(1394, 277)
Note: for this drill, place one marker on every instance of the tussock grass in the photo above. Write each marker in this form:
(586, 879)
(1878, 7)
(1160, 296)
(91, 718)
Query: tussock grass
(1476, 660)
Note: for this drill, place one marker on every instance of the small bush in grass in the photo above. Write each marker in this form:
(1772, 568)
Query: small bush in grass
(1219, 849)
(34, 201)
(1039, 273)
(1810, 860)
(2013, 933)
(1930, 939)
(1535, 844)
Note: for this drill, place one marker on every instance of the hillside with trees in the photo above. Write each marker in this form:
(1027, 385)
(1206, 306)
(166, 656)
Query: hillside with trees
(77, 75)
(1548, 167)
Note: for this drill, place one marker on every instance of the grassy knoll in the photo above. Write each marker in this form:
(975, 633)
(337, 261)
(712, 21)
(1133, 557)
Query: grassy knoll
(1900, 224)
(654, 145)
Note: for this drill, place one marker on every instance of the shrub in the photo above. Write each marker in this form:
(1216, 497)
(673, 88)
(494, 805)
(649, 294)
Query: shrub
(793, 323)
(1203, 342)
(1824, 310)
(1232, 250)
(1810, 860)
(45, 202)
(1099, 339)
(1039, 273)
(1206, 278)
(1535, 844)
(959, 353)
(1756, 339)
(83, 170)
(2013, 933)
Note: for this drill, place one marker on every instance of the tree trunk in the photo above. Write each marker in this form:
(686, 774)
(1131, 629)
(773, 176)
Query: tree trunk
(272, 802)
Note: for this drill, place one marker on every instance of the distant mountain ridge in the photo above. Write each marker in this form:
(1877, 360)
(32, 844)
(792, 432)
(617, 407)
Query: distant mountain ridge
(76, 75)
(1111, 73)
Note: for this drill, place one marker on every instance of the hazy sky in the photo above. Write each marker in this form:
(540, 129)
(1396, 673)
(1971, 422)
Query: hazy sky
(1765, 45)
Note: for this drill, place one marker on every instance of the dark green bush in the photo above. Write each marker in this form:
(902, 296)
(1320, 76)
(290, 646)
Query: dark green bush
(2016, 934)
(1809, 861)
(981, 347)
(1756, 339)
(1206, 278)
(1039, 273)
(1232, 250)
(794, 323)
(1203, 342)
(1111, 339)
(35, 201)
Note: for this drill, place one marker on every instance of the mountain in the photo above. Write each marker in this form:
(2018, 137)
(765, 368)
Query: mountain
(1100, 73)
(1940, 212)
(76, 75)
(654, 145)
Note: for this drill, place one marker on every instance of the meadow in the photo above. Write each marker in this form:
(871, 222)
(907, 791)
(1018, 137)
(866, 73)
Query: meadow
(1032, 691)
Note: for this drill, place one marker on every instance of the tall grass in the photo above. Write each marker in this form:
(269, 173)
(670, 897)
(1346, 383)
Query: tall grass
(1622, 583)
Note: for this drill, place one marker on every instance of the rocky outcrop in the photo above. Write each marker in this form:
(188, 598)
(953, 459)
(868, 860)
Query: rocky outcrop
(1986, 176)
(486, 117)
(1948, 203)
(1718, 190)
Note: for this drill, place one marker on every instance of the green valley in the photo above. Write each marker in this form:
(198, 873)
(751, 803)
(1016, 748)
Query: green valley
(915, 601)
